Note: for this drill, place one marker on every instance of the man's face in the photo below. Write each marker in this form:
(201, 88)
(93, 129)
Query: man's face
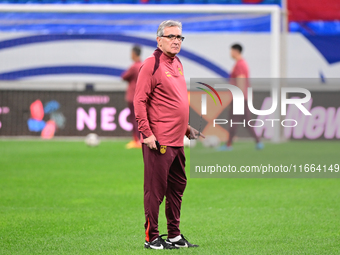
(170, 46)
(133, 55)
(233, 53)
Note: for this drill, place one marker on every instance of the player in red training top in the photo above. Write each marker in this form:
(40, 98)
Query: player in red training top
(130, 76)
(240, 78)
(162, 111)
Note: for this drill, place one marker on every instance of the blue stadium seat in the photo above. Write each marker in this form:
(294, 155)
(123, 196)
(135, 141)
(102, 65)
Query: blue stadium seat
(74, 1)
(52, 1)
(8, 1)
(165, 1)
(217, 1)
(271, 2)
(124, 1)
(28, 1)
(99, 1)
(235, 2)
(224, 1)
(194, 1)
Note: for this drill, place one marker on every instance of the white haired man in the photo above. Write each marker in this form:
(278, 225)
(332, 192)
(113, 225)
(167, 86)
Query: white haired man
(162, 112)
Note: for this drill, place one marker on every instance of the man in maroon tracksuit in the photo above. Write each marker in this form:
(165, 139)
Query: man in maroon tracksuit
(130, 76)
(162, 112)
(240, 78)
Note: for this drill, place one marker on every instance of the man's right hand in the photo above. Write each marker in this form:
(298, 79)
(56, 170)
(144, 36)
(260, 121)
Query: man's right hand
(151, 142)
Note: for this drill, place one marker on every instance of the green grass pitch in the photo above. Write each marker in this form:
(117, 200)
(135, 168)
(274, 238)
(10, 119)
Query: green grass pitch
(62, 197)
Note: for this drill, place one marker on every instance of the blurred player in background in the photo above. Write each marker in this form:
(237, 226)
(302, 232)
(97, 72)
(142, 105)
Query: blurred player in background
(130, 76)
(162, 111)
(240, 78)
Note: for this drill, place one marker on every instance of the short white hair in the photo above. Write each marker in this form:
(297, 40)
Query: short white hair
(168, 23)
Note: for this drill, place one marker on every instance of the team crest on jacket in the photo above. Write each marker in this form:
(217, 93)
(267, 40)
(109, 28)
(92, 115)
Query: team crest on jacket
(163, 149)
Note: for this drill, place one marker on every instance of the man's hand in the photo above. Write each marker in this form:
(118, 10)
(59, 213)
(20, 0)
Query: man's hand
(151, 142)
(193, 133)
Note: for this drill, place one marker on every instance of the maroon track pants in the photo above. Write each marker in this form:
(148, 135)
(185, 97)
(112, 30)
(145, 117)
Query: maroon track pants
(164, 175)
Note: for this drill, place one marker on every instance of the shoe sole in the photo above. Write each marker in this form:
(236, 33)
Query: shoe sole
(182, 246)
(148, 246)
